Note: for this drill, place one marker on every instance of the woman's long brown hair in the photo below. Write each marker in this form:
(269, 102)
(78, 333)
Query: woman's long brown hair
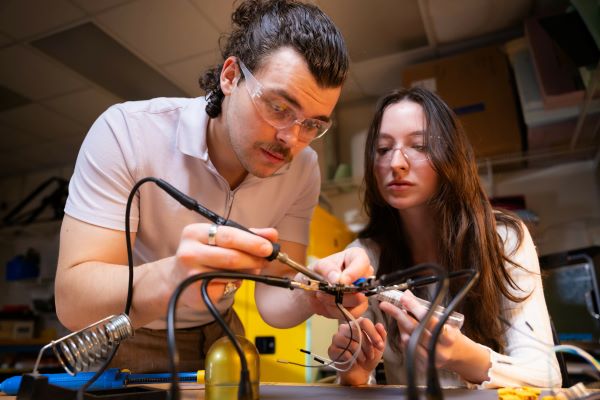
(466, 221)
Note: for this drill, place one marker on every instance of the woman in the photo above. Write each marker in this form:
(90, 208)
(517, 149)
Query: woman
(426, 204)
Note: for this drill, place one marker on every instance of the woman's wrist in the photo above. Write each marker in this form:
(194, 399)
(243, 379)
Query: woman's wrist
(354, 377)
(473, 362)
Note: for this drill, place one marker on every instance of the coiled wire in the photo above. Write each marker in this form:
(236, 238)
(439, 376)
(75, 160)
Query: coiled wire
(81, 350)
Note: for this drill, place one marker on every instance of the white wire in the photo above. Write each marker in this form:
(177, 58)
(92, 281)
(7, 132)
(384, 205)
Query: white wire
(351, 360)
(567, 348)
(549, 350)
(336, 365)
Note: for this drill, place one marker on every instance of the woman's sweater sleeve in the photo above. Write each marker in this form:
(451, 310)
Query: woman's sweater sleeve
(528, 359)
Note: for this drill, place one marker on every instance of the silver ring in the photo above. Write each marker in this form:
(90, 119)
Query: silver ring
(212, 235)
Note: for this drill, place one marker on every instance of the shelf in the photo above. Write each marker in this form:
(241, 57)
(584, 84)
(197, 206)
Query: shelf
(22, 345)
(24, 342)
(539, 158)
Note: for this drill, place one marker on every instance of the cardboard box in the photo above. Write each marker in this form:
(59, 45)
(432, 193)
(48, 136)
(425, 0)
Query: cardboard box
(553, 69)
(477, 86)
(546, 128)
(560, 134)
(16, 329)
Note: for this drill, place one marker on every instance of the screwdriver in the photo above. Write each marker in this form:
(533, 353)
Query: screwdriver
(193, 205)
(112, 378)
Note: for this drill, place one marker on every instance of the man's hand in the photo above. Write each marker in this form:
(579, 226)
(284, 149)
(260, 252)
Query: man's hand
(234, 250)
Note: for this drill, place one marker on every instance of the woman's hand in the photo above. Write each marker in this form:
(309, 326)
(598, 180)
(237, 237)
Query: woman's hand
(344, 267)
(454, 351)
(369, 354)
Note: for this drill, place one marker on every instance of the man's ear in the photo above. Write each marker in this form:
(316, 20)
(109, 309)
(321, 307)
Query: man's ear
(230, 75)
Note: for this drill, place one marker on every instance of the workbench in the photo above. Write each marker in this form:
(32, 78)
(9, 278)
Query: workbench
(279, 391)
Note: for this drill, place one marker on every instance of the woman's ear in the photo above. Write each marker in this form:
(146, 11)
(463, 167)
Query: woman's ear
(230, 75)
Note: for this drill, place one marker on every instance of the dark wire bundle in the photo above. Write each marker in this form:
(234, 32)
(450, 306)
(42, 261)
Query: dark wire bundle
(245, 388)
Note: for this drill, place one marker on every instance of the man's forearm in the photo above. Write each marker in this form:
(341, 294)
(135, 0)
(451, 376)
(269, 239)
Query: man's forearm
(282, 308)
(90, 291)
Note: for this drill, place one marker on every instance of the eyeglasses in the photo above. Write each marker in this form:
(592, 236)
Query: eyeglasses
(278, 113)
(413, 153)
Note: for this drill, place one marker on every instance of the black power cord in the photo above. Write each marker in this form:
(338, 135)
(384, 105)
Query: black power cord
(190, 203)
(434, 390)
(441, 289)
(129, 300)
(245, 387)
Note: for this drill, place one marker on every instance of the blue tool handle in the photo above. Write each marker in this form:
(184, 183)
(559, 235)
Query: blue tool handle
(162, 378)
(110, 379)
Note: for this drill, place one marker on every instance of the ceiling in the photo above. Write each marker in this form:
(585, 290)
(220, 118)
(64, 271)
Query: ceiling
(63, 62)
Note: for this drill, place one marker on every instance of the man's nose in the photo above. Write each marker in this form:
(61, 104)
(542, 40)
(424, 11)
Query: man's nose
(289, 135)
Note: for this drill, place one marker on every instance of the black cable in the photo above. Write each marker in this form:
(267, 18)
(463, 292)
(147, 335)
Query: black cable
(129, 300)
(410, 283)
(245, 386)
(100, 371)
(433, 388)
(193, 205)
(338, 305)
(245, 389)
(128, 239)
(417, 282)
(440, 292)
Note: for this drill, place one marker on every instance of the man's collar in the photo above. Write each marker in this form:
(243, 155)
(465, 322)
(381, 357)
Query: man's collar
(192, 130)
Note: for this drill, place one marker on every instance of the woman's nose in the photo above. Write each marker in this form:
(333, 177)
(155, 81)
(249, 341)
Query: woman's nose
(398, 160)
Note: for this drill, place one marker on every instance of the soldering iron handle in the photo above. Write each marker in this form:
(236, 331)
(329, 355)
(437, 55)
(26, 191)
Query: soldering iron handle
(276, 246)
(192, 204)
(273, 255)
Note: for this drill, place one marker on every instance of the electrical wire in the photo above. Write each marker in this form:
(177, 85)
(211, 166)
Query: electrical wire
(335, 363)
(129, 299)
(132, 194)
(567, 348)
(433, 389)
(441, 289)
(245, 389)
(548, 349)
(245, 386)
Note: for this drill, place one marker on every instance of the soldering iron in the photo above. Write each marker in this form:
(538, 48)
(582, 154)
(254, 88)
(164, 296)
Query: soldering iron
(112, 378)
(193, 205)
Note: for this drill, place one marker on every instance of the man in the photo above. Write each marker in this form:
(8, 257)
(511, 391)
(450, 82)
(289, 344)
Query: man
(241, 152)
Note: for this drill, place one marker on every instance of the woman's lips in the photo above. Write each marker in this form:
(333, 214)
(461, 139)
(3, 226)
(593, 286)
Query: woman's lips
(398, 185)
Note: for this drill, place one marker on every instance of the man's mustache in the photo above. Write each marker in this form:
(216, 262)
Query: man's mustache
(277, 148)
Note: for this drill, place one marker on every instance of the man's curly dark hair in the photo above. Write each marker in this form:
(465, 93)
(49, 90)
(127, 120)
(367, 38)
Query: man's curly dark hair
(261, 27)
